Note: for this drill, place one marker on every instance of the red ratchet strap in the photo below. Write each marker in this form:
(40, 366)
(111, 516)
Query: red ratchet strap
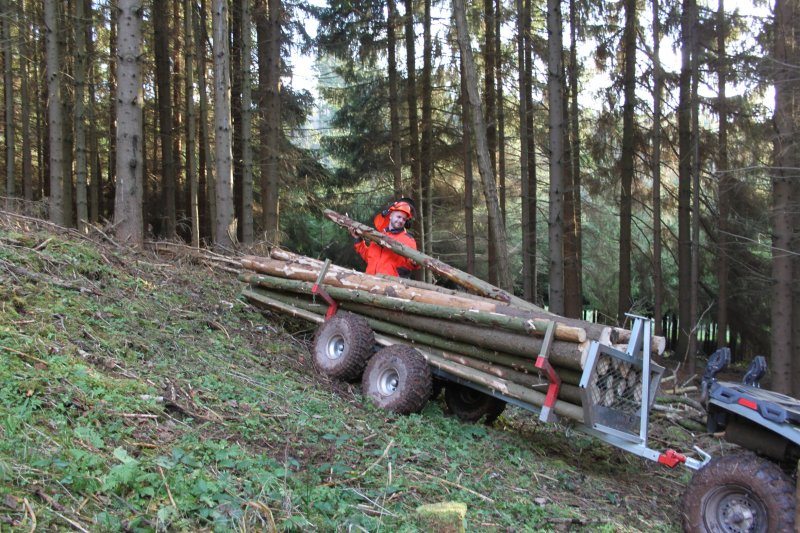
(318, 290)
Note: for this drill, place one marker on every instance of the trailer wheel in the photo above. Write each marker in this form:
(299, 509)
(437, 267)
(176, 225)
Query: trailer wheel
(470, 405)
(739, 493)
(398, 379)
(343, 345)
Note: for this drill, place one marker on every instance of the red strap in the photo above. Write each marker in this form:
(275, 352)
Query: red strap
(332, 305)
(543, 363)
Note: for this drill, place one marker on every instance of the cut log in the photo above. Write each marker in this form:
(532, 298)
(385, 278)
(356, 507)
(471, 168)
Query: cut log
(468, 281)
(562, 353)
(657, 344)
(566, 354)
(420, 302)
(351, 279)
(436, 358)
(567, 392)
(521, 366)
(599, 332)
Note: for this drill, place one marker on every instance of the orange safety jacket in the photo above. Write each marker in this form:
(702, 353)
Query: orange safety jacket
(382, 260)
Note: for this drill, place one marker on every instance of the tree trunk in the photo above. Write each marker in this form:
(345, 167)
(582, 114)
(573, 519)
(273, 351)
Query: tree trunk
(555, 71)
(161, 50)
(191, 137)
(469, 222)
(27, 155)
(684, 184)
(8, 89)
(246, 221)
(785, 52)
(177, 44)
(426, 153)
(394, 101)
(724, 180)
(223, 149)
(413, 122)
(501, 116)
(624, 300)
(529, 267)
(237, 61)
(523, 152)
(484, 162)
(270, 170)
(694, 311)
(573, 285)
(66, 53)
(130, 159)
(658, 84)
(206, 184)
(112, 117)
(54, 107)
(81, 164)
(490, 101)
(96, 176)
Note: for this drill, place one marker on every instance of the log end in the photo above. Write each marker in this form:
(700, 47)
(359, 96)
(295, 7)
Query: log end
(446, 517)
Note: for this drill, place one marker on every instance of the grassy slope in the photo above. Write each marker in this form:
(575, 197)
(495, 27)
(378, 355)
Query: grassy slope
(138, 392)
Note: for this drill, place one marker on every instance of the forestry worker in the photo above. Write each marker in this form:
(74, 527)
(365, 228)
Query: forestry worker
(392, 223)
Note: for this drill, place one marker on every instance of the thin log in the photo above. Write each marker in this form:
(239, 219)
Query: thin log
(527, 347)
(468, 281)
(519, 365)
(437, 359)
(657, 343)
(567, 392)
(283, 307)
(422, 304)
(351, 279)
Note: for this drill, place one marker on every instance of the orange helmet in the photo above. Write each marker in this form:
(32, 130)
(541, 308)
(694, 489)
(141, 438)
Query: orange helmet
(403, 207)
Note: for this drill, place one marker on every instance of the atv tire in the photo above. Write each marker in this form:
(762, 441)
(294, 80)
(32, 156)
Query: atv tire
(739, 493)
(342, 346)
(398, 379)
(470, 405)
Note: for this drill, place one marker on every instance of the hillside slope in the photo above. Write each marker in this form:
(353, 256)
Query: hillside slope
(138, 392)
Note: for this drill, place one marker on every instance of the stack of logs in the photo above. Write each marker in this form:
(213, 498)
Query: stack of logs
(491, 338)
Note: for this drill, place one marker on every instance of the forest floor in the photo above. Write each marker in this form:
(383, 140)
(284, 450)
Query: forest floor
(139, 392)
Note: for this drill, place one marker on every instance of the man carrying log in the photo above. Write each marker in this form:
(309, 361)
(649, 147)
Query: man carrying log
(392, 222)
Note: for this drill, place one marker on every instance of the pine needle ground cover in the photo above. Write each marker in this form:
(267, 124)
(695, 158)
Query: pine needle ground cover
(138, 392)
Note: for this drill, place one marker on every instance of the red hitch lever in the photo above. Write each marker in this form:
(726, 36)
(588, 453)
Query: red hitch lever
(671, 458)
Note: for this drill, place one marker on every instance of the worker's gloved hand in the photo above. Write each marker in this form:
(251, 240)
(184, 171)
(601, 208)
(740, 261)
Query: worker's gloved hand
(403, 272)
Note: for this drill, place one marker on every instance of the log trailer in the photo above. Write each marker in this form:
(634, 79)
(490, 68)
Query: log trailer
(607, 392)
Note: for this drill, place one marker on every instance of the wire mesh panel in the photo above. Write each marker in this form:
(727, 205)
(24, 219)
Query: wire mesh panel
(612, 391)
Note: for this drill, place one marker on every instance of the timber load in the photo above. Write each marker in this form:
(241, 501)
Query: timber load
(481, 335)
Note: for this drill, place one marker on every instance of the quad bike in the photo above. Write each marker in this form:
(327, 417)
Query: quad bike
(753, 490)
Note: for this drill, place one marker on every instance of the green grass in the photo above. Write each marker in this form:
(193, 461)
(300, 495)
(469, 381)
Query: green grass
(138, 392)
